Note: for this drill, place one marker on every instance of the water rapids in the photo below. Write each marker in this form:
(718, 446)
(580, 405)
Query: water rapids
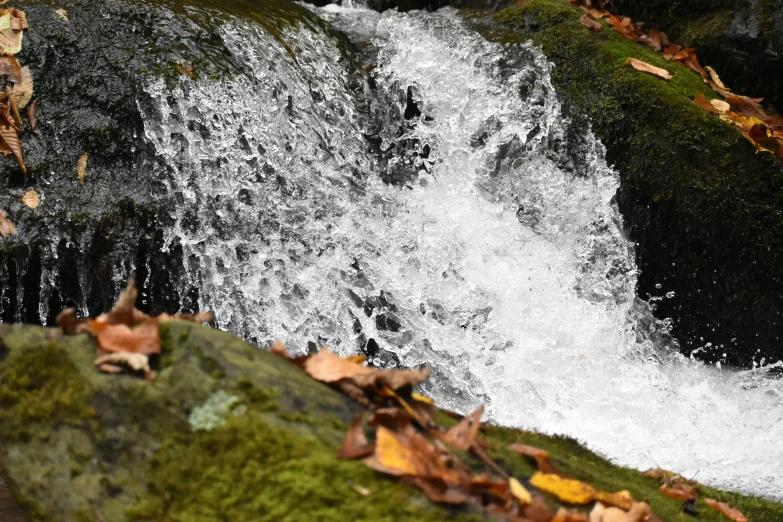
(435, 208)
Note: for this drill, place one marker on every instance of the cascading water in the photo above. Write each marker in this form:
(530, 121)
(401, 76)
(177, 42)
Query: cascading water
(495, 256)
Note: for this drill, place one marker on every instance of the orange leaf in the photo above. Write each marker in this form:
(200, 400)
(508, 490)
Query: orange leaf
(461, 435)
(715, 78)
(721, 507)
(327, 367)
(355, 445)
(617, 25)
(567, 490)
(120, 338)
(705, 104)
(621, 499)
(679, 491)
(124, 310)
(590, 23)
(653, 39)
(651, 69)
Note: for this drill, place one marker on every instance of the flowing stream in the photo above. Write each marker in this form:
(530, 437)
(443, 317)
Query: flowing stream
(434, 208)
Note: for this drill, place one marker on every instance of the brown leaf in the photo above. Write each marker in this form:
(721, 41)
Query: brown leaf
(653, 39)
(590, 23)
(693, 64)
(10, 68)
(81, 168)
(651, 69)
(6, 227)
(540, 456)
(593, 12)
(10, 31)
(671, 50)
(279, 348)
(31, 199)
(199, 317)
(143, 339)
(617, 25)
(22, 91)
(569, 515)
(135, 361)
(715, 78)
(679, 491)
(439, 491)
(124, 310)
(538, 510)
(705, 104)
(32, 116)
(486, 483)
(325, 366)
(748, 106)
(462, 434)
(10, 138)
(721, 507)
(68, 321)
(355, 445)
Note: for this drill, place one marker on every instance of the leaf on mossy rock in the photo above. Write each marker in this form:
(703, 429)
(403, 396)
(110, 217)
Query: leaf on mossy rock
(114, 362)
(355, 445)
(567, 490)
(6, 227)
(733, 514)
(462, 434)
(327, 367)
(540, 456)
(121, 338)
(705, 104)
(650, 69)
(31, 199)
(519, 491)
(621, 499)
(590, 23)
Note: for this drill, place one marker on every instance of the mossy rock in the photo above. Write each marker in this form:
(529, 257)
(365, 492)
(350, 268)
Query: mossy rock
(226, 432)
(705, 209)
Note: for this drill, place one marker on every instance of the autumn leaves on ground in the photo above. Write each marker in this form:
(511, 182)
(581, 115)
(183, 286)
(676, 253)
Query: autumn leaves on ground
(451, 466)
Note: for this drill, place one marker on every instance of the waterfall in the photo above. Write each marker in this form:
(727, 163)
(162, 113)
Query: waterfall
(431, 207)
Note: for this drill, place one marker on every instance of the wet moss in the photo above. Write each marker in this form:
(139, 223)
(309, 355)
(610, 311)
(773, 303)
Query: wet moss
(40, 386)
(248, 470)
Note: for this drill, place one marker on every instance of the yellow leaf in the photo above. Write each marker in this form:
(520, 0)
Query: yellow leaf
(621, 499)
(519, 491)
(567, 490)
(391, 456)
(421, 398)
(81, 168)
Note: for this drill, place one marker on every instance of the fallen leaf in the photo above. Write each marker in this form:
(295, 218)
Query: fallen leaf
(612, 514)
(462, 434)
(596, 514)
(63, 13)
(720, 105)
(715, 78)
(705, 104)
(279, 349)
(519, 491)
(31, 199)
(540, 456)
(637, 513)
(653, 39)
(81, 168)
(135, 361)
(124, 310)
(590, 23)
(693, 64)
(679, 491)
(538, 510)
(651, 69)
(6, 227)
(355, 445)
(421, 398)
(10, 68)
(439, 491)
(200, 317)
(733, 514)
(671, 50)
(621, 499)
(143, 339)
(593, 12)
(32, 116)
(22, 91)
(567, 490)
(748, 106)
(327, 367)
(68, 321)
(11, 30)
(617, 25)
(490, 484)
(10, 138)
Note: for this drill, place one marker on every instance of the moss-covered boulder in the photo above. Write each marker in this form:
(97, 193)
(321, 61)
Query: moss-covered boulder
(705, 210)
(226, 432)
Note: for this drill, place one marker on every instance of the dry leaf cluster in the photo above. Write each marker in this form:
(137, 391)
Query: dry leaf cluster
(19, 85)
(126, 336)
(676, 487)
(763, 130)
(409, 444)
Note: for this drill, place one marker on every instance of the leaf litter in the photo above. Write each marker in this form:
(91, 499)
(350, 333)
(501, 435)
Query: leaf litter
(763, 130)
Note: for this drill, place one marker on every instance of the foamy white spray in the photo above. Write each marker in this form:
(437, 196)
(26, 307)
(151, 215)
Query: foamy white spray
(506, 273)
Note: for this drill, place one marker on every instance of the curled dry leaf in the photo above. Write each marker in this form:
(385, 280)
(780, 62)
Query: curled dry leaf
(12, 23)
(720, 105)
(705, 104)
(327, 367)
(11, 145)
(355, 445)
(62, 13)
(567, 490)
(31, 199)
(648, 68)
(124, 310)
(733, 514)
(81, 168)
(22, 91)
(590, 23)
(6, 227)
(462, 434)
(32, 116)
(10, 68)
(715, 78)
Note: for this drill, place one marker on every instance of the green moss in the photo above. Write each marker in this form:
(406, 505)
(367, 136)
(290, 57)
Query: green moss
(248, 470)
(40, 386)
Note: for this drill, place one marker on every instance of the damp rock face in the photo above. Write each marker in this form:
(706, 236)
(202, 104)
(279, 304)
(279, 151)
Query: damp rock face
(703, 208)
(90, 61)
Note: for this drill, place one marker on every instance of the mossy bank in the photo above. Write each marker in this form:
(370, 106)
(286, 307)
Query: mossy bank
(705, 210)
(226, 432)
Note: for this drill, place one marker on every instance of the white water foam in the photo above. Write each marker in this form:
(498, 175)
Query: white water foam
(507, 273)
